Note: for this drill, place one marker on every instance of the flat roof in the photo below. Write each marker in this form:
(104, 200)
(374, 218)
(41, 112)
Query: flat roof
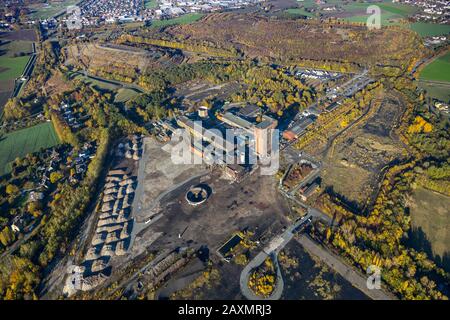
(238, 121)
(300, 125)
(249, 110)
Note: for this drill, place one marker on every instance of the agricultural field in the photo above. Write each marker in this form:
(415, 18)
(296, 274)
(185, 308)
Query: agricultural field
(12, 68)
(184, 19)
(439, 91)
(391, 13)
(45, 11)
(21, 142)
(430, 29)
(14, 49)
(22, 35)
(438, 70)
(429, 215)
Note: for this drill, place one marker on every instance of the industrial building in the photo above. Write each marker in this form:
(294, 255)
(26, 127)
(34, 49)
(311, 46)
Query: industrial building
(298, 128)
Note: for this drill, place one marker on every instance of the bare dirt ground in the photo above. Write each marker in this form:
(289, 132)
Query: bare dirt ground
(253, 203)
(57, 84)
(160, 176)
(25, 34)
(122, 58)
(355, 163)
(193, 92)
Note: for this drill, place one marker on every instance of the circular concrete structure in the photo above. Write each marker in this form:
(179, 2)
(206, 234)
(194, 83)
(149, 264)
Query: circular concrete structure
(198, 194)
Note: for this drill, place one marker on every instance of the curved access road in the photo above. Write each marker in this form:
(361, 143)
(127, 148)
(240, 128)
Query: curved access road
(272, 250)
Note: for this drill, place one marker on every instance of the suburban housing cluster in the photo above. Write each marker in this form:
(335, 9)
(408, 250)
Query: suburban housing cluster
(431, 10)
(94, 12)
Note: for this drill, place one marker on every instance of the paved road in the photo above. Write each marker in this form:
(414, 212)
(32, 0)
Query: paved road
(12, 248)
(272, 250)
(347, 272)
(311, 211)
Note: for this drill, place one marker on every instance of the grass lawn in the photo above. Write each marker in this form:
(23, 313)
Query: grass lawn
(425, 29)
(11, 68)
(438, 70)
(102, 85)
(21, 142)
(125, 94)
(184, 19)
(429, 211)
(150, 4)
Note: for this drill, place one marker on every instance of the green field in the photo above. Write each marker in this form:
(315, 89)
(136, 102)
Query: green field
(125, 94)
(391, 13)
(21, 142)
(437, 91)
(11, 68)
(398, 8)
(184, 19)
(13, 47)
(429, 211)
(430, 29)
(438, 70)
(300, 11)
(102, 85)
(41, 11)
(151, 4)
(393, 8)
(387, 18)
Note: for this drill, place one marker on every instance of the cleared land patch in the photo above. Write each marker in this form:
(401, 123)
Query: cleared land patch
(21, 142)
(121, 61)
(354, 166)
(429, 212)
